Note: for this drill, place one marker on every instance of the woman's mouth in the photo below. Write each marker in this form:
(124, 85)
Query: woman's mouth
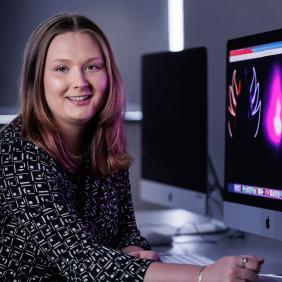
(79, 98)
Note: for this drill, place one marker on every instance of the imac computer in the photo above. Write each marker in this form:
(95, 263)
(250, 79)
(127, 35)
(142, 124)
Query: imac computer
(174, 129)
(253, 135)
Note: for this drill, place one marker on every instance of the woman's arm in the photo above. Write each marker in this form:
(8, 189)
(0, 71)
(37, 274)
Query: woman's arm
(223, 270)
(129, 233)
(131, 242)
(227, 269)
(165, 272)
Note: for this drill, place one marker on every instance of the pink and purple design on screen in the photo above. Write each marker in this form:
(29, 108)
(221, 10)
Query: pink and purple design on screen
(273, 113)
(234, 92)
(255, 102)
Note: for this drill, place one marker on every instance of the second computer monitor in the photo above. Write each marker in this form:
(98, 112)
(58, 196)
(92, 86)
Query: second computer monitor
(253, 162)
(174, 129)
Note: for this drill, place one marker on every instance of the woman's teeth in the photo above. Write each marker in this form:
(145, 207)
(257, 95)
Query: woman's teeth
(79, 98)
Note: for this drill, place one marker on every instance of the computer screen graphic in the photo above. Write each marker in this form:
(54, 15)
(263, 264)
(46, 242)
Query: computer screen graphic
(253, 135)
(254, 122)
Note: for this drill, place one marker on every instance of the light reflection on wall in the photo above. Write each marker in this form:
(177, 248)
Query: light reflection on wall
(273, 119)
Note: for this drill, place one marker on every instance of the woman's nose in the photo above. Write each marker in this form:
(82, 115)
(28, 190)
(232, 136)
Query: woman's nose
(79, 79)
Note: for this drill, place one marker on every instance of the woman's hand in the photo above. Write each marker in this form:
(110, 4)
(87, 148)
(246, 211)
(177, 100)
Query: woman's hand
(146, 255)
(233, 268)
(141, 253)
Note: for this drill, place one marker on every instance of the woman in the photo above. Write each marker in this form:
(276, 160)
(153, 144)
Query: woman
(66, 211)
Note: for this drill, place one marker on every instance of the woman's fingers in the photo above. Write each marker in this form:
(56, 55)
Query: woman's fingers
(247, 274)
(248, 267)
(235, 268)
(146, 254)
(250, 262)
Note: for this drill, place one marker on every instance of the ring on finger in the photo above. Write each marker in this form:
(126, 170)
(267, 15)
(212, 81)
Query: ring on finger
(244, 260)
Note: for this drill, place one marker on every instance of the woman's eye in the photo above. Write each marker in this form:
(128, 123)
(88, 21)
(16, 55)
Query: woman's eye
(61, 69)
(91, 67)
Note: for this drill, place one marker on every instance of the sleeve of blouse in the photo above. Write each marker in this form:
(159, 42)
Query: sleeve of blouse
(29, 192)
(130, 235)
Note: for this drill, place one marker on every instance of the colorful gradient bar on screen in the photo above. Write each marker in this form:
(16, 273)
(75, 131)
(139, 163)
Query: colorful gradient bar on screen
(254, 52)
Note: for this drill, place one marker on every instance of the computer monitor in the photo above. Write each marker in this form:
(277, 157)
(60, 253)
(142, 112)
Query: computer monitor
(253, 134)
(174, 129)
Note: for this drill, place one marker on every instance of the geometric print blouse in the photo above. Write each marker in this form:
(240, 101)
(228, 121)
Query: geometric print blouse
(58, 227)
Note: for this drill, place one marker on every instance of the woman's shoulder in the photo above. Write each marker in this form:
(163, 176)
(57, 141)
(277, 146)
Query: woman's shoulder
(23, 150)
(120, 178)
(11, 136)
(11, 140)
(11, 131)
(120, 174)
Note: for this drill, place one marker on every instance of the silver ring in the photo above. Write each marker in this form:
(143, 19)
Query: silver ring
(244, 260)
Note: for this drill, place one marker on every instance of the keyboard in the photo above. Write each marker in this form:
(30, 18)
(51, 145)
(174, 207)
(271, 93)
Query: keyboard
(269, 278)
(190, 258)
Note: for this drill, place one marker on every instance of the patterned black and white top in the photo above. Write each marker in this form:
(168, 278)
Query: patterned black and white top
(59, 227)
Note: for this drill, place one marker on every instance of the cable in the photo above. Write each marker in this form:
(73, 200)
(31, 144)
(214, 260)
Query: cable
(216, 184)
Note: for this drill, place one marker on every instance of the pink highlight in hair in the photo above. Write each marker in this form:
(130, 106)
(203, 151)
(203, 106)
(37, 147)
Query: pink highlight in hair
(273, 121)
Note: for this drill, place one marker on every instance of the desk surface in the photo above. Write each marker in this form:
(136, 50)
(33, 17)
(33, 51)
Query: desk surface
(212, 246)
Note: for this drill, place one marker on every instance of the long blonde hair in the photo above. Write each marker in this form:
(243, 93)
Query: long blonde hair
(105, 142)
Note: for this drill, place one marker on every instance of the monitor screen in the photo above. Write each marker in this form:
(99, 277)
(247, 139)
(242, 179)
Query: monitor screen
(174, 129)
(253, 133)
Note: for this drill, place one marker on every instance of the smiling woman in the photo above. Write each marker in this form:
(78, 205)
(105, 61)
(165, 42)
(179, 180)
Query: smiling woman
(65, 204)
(63, 161)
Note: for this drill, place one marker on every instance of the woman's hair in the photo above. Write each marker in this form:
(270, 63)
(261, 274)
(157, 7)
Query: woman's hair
(104, 137)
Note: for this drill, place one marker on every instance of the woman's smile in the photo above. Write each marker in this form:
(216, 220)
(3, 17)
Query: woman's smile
(81, 100)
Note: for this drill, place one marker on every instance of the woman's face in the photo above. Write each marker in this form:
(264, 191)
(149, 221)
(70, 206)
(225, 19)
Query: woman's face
(75, 78)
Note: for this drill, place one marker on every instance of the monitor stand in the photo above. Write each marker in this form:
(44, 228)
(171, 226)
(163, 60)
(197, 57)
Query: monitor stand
(208, 227)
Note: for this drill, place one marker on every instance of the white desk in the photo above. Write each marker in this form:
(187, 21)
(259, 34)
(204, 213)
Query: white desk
(212, 246)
